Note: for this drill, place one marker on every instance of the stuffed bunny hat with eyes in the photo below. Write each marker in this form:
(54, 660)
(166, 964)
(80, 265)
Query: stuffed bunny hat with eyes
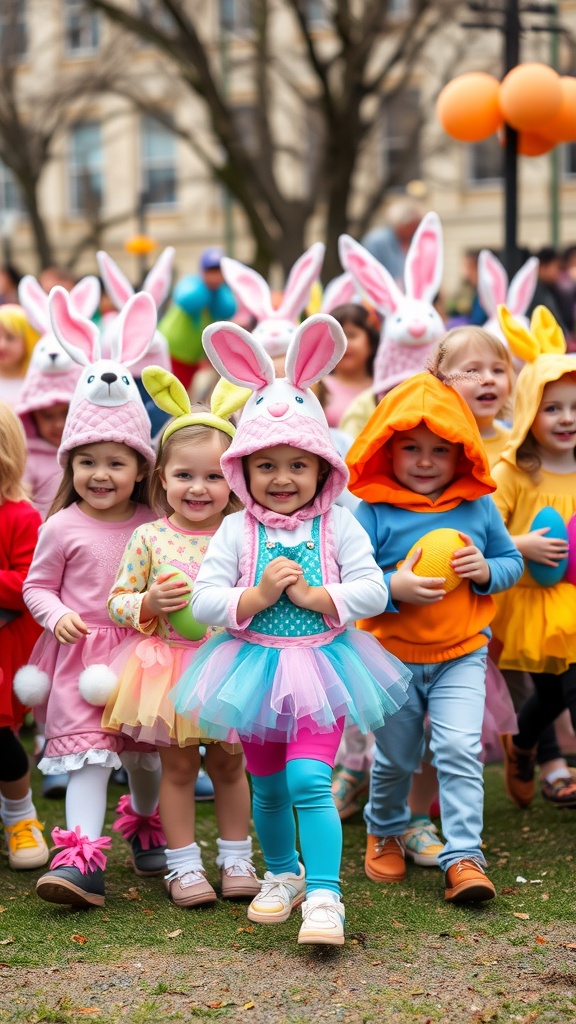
(280, 410)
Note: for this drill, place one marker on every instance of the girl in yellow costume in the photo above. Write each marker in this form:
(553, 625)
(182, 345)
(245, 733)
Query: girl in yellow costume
(537, 624)
(151, 592)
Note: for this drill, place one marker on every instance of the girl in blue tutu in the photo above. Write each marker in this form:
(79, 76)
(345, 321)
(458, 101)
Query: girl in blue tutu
(285, 577)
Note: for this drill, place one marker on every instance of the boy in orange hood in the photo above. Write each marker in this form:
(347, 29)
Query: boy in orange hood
(419, 465)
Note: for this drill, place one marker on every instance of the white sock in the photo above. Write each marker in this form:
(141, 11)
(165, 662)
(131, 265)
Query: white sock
(86, 799)
(183, 859)
(12, 811)
(144, 789)
(237, 848)
(323, 894)
(558, 773)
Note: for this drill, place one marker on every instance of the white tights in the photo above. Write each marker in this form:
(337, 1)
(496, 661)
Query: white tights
(87, 791)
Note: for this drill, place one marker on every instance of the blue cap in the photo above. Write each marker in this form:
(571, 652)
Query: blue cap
(210, 258)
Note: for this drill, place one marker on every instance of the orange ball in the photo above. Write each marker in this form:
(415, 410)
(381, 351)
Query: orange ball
(562, 127)
(529, 96)
(468, 107)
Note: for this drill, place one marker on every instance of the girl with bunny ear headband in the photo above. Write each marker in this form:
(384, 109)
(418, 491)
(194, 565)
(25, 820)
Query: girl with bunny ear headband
(105, 453)
(286, 577)
(151, 596)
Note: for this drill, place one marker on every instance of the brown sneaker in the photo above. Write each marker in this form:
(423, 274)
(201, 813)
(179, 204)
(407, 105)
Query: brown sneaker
(466, 882)
(192, 889)
(385, 859)
(518, 771)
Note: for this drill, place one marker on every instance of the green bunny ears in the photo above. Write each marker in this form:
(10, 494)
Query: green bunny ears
(545, 336)
(170, 395)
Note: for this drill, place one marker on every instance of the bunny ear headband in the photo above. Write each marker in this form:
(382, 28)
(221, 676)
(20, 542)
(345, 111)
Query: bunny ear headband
(545, 336)
(170, 395)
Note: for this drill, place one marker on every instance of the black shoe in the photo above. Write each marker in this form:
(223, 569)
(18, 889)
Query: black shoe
(53, 787)
(119, 777)
(148, 863)
(67, 885)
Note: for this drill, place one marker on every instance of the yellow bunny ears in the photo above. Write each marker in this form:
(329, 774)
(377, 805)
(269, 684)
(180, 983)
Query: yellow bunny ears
(544, 337)
(170, 395)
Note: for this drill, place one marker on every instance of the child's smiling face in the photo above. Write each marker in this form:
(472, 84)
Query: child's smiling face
(424, 462)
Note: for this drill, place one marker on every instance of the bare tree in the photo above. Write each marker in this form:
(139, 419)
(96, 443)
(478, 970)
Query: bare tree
(321, 73)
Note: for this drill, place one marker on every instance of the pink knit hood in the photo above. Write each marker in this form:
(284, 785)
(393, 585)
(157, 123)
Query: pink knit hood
(51, 378)
(106, 405)
(280, 411)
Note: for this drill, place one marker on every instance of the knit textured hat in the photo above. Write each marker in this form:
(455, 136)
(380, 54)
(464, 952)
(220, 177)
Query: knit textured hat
(106, 405)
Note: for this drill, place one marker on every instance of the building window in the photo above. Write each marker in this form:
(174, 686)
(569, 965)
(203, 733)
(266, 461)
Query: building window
(13, 30)
(85, 168)
(235, 16)
(569, 159)
(81, 28)
(10, 195)
(402, 122)
(485, 161)
(158, 156)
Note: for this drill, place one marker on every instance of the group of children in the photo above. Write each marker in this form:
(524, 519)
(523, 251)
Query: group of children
(208, 590)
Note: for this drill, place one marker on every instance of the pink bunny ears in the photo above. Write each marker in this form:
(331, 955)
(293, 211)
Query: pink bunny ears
(157, 283)
(80, 338)
(316, 347)
(493, 288)
(84, 299)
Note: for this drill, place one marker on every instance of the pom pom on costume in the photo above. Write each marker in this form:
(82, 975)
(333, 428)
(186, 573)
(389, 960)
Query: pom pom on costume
(96, 684)
(438, 549)
(31, 686)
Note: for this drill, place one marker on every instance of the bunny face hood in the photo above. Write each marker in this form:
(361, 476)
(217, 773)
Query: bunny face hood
(421, 399)
(307, 430)
(530, 385)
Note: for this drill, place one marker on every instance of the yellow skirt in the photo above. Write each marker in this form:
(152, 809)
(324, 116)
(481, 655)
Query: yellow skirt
(537, 627)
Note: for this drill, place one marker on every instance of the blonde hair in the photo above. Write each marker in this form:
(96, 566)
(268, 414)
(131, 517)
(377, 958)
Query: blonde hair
(12, 456)
(67, 494)
(455, 343)
(186, 437)
(13, 318)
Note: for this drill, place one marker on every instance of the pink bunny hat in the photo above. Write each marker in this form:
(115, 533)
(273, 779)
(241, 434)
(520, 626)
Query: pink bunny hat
(275, 326)
(106, 405)
(280, 410)
(412, 325)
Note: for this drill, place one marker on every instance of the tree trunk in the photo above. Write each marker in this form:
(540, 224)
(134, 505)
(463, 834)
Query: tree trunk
(44, 250)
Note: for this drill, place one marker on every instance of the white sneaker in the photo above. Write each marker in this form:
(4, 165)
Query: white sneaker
(278, 896)
(322, 922)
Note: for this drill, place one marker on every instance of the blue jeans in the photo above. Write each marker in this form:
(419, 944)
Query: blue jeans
(453, 693)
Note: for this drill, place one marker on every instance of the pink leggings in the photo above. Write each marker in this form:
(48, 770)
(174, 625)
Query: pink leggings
(269, 758)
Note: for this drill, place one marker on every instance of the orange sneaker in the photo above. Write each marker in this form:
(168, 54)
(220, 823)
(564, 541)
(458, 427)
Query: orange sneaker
(518, 771)
(385, 859)
(466, 882)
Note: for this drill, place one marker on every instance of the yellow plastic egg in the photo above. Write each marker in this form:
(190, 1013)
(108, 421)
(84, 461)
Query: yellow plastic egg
(438, 549)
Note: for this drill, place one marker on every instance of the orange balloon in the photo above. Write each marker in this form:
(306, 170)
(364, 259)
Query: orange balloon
(468, 107)
(562, 127)
(531, 144)
(530, 95)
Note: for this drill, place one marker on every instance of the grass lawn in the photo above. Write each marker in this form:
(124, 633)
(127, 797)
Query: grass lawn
(409, 957)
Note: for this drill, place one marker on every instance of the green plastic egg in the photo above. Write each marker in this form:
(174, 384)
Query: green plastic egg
(182, 621)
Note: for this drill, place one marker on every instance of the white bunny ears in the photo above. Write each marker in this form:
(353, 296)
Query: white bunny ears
(493, 288)
(80, 338)
(157, 283)
(84, 299)
(316, 347)
(422, 270)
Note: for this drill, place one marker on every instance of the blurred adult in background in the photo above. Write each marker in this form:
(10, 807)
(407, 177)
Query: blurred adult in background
(9, 280)
(555, 289)
(390, 242)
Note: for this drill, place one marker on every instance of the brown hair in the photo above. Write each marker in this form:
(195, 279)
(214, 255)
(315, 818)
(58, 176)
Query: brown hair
(360, 316)
(458, 340)
(527, 454)
(67, 495)
(195, 434)
(12, 456)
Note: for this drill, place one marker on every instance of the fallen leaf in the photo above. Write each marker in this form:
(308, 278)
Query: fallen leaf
(174, 935)
(80, 939)
(248, 1006)
(132, 894)
(216, 1005)
(2, 909)
(145, 911)
(509, 890)
(569, 945)
(541, 940)
(6, 942)
(88, 1009)
(523, 917)
(245, 929)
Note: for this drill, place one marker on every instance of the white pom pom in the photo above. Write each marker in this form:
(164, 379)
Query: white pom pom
(31, 686)
(96, 684)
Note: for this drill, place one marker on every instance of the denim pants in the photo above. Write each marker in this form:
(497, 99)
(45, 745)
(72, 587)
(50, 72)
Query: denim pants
(453, 693)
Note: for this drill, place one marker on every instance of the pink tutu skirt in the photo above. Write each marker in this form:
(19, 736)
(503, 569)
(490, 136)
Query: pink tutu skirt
(499, 714)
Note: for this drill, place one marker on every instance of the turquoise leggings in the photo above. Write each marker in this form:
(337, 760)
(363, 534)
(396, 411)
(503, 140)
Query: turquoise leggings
(302, 786)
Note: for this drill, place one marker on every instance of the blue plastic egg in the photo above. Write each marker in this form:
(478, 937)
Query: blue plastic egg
(548, 575)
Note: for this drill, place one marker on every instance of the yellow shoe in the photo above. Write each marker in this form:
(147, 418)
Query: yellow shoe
(26, 846)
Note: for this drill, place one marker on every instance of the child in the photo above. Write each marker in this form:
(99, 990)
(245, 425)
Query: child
(19, 523)
(537, 624)
(187, 484)
(285, 577)
(353, 374)
(17, 341)
(419, 464)
(105, 454)
(479, 367)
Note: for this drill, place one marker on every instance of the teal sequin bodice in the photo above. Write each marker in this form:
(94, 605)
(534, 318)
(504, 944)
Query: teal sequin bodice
(284, 618)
